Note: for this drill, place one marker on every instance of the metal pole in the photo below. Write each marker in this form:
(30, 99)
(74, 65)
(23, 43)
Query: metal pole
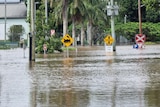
(140, 18)
(30, 47)
(32, 29)
(5, 20)
(112, 28)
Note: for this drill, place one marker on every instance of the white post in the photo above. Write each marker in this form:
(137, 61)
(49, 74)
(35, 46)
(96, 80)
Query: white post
(5, 19)
(125, 19)
(67, 52)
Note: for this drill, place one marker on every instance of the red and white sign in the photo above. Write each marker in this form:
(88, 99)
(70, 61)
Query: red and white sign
(52, 32)
(140, 38)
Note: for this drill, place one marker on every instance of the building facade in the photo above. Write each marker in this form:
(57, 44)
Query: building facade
(13, 13)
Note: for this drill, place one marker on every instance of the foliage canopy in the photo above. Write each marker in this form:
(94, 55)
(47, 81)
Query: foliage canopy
(84, 13)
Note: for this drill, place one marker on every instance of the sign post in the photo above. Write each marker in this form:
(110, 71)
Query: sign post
(44, 48)
(24, 48)
(67, 40)
(108, 41)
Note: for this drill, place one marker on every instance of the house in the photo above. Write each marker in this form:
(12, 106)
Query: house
(13, 13)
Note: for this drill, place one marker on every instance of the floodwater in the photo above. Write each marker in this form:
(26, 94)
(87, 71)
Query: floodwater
(88, 78)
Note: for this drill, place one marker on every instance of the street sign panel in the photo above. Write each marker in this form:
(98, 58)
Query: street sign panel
(52, 32)
(140, 38)
(108, 40)
(109, 48)
(67, 40)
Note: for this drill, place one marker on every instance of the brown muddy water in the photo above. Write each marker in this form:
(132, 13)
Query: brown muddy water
(88, 78)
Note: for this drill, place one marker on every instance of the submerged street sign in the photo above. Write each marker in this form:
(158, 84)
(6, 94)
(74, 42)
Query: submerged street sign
(140, 38)
(108, 40)
(67, 40)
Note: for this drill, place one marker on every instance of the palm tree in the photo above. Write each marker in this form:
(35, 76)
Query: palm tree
(61, 13)
(65, 16)
(79, 12)
(77, 15)
(93, 13)
(83, 11)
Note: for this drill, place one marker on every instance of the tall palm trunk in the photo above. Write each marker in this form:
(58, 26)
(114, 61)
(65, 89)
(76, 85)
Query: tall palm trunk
(65, 17)
(73, 32)
(51, 3)
(89, 33)
(82, 35)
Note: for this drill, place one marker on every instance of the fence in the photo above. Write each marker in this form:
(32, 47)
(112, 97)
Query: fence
(8, 44)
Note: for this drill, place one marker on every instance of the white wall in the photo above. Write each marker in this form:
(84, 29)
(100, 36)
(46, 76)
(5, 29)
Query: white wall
(11, 22)
(2, 31)
(9, 1)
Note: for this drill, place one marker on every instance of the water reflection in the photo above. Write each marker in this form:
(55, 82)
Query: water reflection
(87, 81)
(60, 98)
(57, 90)
(14, 79)
(152, 91)
(91, 78)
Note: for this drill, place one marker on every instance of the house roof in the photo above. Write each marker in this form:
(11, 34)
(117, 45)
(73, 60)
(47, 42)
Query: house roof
(18, 10)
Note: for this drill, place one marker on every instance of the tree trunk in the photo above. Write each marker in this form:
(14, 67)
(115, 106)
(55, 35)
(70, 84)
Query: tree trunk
(73, 32)
(82, 35)
(89, 33)
(65, 17)
(51, 3)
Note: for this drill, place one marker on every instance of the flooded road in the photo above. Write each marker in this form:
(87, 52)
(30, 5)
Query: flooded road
(88, 78)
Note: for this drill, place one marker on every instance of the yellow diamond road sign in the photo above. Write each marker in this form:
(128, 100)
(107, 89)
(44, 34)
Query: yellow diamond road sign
(108, 40)
(67, 40)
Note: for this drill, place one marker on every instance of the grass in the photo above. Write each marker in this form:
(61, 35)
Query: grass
(4, 47)
(150, 43)
(69, 48)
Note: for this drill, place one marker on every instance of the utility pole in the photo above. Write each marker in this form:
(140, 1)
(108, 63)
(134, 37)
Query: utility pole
(113, 28)
(32, 31)
(112, 10)
(140, 18)
(5, 24)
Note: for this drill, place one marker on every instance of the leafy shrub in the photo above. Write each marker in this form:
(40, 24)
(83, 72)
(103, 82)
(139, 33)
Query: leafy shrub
(53, 43)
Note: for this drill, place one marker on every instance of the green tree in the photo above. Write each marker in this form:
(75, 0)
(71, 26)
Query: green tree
(152, 10)
(43, 32)
(130, 29)
(94, 13)
(129, 8)
(80, 12)
(15, 32)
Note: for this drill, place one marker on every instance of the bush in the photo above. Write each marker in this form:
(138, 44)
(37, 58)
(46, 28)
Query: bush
(52, 43)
